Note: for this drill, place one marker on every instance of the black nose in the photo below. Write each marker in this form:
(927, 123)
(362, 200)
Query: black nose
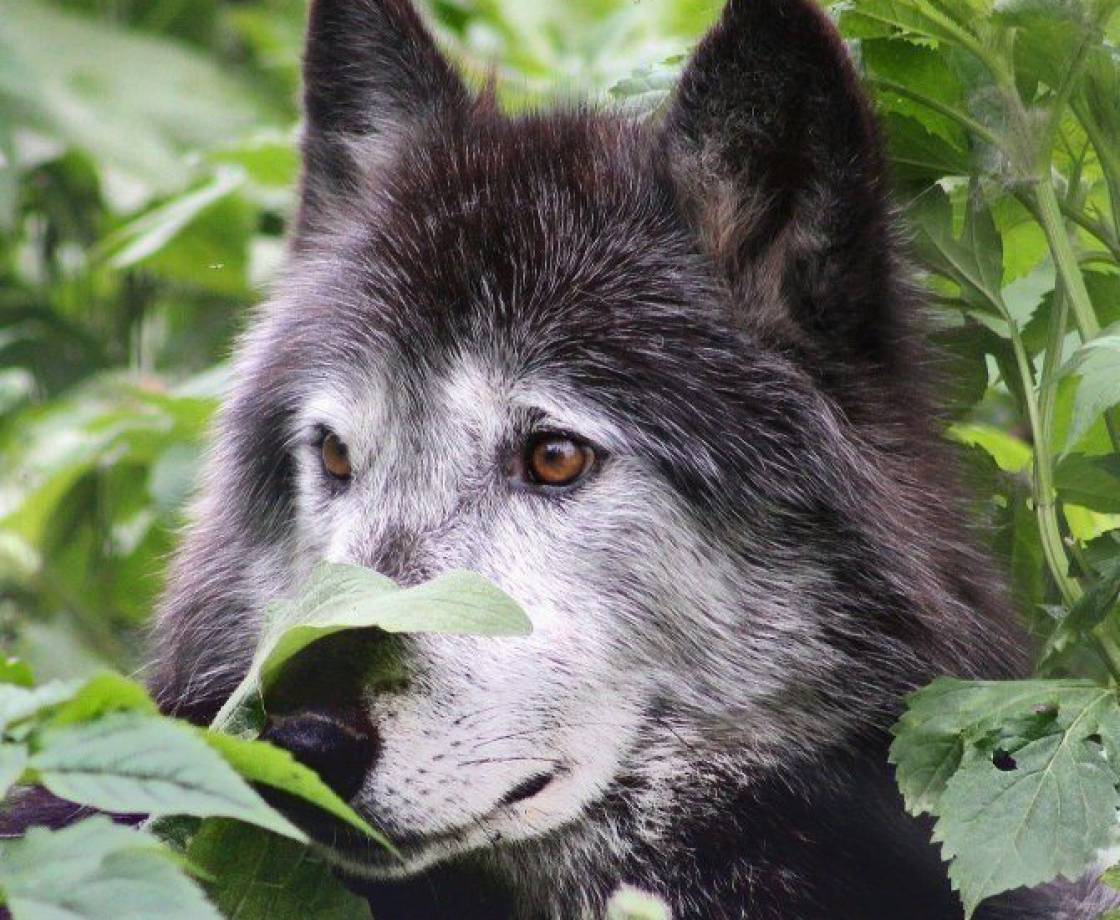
(340, 753)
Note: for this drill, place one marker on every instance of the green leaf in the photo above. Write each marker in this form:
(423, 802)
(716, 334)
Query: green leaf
(259, 876)
(103, 694)
(917, 18)
(975, 260)
(135, 102)
(128, 762)
(1019, 774)
(97, 870)
(1009, 452)
(1004, 828)
(338, 598)
(1090, 610)
(199, 237)
(262, 763)
(1096, 364)
(13, 761)
(1091, 482)
(19, 703)
(949, 709)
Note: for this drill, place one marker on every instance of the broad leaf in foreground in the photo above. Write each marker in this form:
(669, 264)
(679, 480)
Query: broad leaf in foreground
(1018, 773)
(136, 763)
(347, 597)
(272, 766)
(97, 870)
(259, 876)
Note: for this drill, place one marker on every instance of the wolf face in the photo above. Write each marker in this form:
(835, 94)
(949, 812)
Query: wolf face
(660, 383)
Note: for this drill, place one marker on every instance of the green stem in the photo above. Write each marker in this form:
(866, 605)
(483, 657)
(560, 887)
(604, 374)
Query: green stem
(1100, 230)
(1050, 214)
(1045, 494)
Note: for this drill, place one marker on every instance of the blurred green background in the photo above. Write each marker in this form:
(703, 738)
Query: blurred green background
(147, 165)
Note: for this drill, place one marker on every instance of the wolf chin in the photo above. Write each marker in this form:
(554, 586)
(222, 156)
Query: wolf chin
(707, 321)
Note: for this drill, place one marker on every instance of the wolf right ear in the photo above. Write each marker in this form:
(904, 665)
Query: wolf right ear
(776, 153)
(371, 72)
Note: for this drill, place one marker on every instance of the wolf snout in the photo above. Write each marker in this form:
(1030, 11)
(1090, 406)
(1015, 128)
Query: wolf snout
(340, 750)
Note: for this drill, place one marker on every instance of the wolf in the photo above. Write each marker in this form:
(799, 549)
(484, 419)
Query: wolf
(663, 381)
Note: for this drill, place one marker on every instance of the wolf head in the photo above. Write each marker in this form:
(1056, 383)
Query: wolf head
(658, 381)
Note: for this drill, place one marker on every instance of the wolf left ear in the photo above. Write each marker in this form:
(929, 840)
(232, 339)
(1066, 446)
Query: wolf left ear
(371, 73)
(776, 152)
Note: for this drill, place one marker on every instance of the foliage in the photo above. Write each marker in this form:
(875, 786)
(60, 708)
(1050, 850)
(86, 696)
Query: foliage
(102, 743)
(146, 171)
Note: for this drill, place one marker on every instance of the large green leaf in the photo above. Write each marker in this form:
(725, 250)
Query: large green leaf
(259, 876)
(1018, 773)
(262, 763)
(97, 870)
(130, 762)
(338, 598)
(1026, 814)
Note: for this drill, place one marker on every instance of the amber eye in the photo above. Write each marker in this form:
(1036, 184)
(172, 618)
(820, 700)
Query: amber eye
(336, 458)
(557, 460)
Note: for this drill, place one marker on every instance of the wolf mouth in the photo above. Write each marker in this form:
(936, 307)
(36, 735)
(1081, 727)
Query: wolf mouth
(353, 852)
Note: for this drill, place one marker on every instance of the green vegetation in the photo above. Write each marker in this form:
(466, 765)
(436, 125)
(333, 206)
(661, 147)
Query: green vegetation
(146, 170)
(102, 743)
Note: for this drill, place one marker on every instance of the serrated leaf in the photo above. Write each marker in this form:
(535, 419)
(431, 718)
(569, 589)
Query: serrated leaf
(1042, 818)
(941, 718)
(1033, 794)
(262, 763)
(259, 876)
(338, 598)
(97, 870)
(135, 763)
(1096, 364)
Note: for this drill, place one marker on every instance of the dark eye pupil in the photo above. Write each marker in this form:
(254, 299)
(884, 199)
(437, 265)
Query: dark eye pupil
(558, 453)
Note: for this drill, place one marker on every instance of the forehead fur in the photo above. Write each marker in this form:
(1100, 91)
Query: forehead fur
(525, 233)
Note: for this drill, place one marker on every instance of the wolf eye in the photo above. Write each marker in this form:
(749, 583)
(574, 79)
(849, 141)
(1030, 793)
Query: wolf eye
(553, 459)
(336, 456)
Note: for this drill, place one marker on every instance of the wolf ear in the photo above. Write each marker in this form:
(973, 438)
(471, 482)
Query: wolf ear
(371, 73)
(776, 152)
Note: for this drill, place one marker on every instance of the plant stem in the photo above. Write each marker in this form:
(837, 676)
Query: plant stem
(1050, 214)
